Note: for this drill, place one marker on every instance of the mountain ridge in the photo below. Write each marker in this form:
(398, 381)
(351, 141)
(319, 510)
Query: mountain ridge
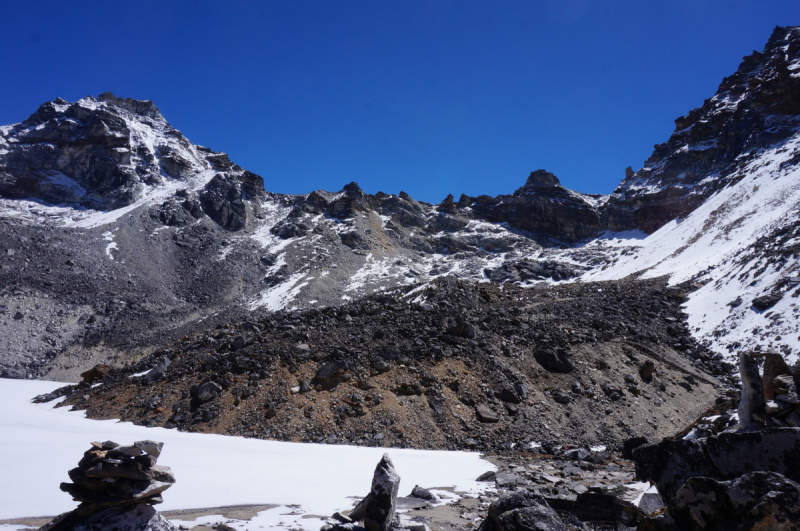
(120, 234)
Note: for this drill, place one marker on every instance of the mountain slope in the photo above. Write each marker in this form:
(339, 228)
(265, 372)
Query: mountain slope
(119, 235)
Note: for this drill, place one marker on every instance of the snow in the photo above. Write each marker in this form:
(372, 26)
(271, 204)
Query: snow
(715, 240)
(278, 297)
(211, 470)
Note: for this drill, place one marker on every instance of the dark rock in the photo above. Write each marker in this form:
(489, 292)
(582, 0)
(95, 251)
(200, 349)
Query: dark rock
(207, 392)
(487, 476)
(562, 397)
(379, 512)
(752, 407)
(423, 494)
(486, 414)
(757, 500)
(330, 373)
(523, 510)
(553, 360)
(726, 456)
(594, 506)
(765, 302)
(628, 445)
(646, 370)
(136, 517)
(98, 372)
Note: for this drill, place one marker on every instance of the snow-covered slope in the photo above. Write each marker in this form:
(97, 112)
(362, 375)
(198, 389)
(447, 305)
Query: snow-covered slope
(742, 243)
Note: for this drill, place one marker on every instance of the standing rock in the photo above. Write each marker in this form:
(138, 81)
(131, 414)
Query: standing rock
(774, 366)
(752, 408)
(646, 370)
(385, 484)
(378, 507)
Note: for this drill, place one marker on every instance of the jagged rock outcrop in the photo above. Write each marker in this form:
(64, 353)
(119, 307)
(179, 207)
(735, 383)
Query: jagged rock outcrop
(543, 206)
(756, 107)
(105, 152)
(754, 501)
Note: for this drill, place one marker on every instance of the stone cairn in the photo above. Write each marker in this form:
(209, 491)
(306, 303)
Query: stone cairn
(116, 483)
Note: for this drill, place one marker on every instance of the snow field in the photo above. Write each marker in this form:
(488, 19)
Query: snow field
(42, 443)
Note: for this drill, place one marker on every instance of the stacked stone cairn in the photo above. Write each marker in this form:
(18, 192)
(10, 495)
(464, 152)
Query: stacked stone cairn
(117, 486)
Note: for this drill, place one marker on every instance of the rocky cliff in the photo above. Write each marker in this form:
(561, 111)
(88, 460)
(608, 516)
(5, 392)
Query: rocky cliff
(757, 107)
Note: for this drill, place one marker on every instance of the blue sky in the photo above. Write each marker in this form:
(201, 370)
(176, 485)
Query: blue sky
(429, 97)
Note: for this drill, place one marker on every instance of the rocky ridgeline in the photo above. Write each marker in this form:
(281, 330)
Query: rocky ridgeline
(756, 107)
(117, 486)
(458, 365)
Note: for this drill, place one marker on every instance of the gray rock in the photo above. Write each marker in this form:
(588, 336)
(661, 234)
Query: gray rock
(121, 518)
(752, 407)
(150, 447)
(509, 480)
(157, 373)
(553, 360)
(523, 510)
(423, 494)
(486, 414)
(650, 503)
(757, 500)
(726, 456)
(380, 510)
(208, 391)
(487, 476)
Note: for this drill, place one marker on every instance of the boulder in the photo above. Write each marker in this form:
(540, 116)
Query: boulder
(120, 518)
(725, 456)
(553, 360)
(523, 510)
(207, 392)
(486, 414)
(98, 372)
(158, 371)
(755, 501)
(423, 494)
(379, 512)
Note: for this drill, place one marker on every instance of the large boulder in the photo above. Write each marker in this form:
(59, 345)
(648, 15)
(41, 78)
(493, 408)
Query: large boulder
(755, 501)
(377, 509)
(523, 510)
(553, 360)
(726, 456)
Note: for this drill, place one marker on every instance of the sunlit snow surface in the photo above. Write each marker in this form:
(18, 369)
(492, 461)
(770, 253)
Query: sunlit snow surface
(716, 238)
(41, 443)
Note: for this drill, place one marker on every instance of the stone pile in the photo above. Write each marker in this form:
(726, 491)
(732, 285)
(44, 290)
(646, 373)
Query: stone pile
(117, 486)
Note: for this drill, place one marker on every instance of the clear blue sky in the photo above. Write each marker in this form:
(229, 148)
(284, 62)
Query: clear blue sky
(430, 97)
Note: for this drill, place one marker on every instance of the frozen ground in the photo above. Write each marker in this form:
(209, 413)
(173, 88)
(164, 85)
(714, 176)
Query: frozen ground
(41, 443)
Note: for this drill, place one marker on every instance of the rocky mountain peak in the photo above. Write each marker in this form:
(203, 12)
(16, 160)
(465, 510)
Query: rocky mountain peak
(541, 178)
(105, 153)
(756, 107)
